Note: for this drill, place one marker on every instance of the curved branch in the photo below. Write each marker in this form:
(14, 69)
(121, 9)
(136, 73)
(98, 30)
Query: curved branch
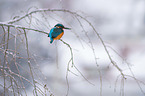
(36, 11)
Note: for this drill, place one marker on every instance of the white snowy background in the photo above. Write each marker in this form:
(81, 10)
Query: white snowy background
(121, 24)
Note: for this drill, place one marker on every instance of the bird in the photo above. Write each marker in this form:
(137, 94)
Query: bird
(56, 32)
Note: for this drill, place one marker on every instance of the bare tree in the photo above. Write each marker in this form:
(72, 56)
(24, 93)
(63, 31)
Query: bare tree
(20, 69)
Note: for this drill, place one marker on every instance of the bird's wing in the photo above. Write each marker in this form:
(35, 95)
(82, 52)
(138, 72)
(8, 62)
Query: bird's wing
(56, 32)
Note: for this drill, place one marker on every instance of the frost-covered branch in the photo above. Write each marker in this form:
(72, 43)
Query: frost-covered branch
(21, 27)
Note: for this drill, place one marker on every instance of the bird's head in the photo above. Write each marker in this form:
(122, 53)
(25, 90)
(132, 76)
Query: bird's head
(61, 26)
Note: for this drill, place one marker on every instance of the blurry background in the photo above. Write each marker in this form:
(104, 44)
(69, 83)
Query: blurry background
(120, 23)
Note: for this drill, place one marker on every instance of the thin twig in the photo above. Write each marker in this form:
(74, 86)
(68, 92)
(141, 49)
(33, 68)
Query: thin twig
(70, 51)
(4, 62)
(30, 64)
(92, 47)
(73, 65)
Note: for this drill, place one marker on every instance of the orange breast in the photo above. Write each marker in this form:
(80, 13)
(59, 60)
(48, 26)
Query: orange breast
(59, 36)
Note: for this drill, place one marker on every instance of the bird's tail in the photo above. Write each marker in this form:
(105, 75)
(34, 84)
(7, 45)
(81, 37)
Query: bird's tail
(51, 41)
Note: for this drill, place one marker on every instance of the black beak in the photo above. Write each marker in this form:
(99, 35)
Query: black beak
(67, 28)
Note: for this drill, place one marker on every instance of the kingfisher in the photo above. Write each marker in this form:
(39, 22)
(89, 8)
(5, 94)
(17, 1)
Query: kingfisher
(57, 32)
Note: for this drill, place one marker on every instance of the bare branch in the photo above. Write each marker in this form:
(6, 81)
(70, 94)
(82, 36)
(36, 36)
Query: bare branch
(21, 27)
